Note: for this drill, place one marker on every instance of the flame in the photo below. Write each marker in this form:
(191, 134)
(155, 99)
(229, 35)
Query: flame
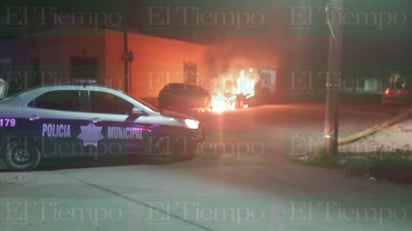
(233, 91)
(220, 103)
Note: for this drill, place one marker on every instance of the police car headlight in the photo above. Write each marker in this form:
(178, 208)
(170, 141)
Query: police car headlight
(192, 124)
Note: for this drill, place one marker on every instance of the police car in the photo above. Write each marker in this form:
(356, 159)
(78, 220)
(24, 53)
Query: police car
(87, 120)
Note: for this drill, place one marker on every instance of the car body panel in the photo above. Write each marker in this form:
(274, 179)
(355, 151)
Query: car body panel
(184, 97)
(78, 124)
(397, 96)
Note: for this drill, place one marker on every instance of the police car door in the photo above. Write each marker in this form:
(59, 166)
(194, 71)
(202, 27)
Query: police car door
(111, 114)
(52, 119)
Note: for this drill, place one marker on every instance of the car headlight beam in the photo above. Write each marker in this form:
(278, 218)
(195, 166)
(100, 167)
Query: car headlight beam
(192, 124)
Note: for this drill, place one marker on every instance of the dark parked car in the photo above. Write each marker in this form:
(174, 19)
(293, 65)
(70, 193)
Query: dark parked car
(88, 120)
(261, 96)
(398, 93)
(184, 97)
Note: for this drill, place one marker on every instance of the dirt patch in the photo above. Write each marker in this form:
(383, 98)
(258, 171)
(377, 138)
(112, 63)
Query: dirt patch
(394, 167)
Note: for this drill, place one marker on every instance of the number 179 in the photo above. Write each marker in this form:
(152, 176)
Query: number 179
(7, 122)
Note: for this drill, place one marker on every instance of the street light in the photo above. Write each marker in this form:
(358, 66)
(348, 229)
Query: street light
(332, 78)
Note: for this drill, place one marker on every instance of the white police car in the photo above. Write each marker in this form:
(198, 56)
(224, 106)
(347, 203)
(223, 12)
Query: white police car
(88, 120)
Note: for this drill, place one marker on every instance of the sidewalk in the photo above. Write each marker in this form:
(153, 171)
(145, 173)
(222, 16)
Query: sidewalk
(394, 138)
(382, 152)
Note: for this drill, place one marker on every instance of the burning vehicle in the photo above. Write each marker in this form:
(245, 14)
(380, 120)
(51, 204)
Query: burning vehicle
(184, 97)
(242, 89)
(235, 89)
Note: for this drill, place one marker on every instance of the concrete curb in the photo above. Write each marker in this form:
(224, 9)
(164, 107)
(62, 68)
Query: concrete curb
(369, 131)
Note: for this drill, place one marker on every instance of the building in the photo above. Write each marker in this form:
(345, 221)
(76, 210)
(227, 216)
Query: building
(290, 37)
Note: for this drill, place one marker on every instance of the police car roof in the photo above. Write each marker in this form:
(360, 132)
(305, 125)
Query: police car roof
(45, 88)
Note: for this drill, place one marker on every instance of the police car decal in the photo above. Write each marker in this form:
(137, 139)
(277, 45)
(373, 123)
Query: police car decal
(127, 133)
(56, 130)
(56, 133)
(7, 122)
(90, 134)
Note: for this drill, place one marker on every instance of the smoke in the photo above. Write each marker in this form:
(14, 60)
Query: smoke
(239, 53)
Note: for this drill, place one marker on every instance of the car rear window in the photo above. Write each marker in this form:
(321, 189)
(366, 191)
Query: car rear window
(184, 86)
(174, 86)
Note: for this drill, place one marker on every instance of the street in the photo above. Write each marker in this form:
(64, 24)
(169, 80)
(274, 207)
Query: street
(240, 180)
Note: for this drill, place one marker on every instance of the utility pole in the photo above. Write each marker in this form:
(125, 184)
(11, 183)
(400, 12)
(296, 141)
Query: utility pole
(331, 131)
(127, 57)
(126, 61)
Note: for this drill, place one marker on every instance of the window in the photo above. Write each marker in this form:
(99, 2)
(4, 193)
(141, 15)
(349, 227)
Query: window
(102, 102)
(58, 100)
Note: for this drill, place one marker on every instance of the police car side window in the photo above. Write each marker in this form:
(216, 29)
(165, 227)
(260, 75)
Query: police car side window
(58, 100)
(102, 102)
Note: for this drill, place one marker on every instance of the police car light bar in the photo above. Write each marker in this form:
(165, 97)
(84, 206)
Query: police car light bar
(84, 82)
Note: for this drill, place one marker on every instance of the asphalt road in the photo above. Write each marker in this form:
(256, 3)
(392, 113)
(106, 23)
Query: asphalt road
(240, 180)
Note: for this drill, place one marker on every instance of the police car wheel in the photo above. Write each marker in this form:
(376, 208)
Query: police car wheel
(19, 156)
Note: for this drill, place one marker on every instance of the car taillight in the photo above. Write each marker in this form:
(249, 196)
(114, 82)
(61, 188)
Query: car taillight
(387, 91)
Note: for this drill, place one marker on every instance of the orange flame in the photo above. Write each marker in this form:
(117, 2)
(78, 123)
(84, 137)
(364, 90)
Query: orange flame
(234, 87)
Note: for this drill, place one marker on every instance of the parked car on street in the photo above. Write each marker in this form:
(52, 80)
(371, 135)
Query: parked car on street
(397, 93)
(184, 97)
(88, 120)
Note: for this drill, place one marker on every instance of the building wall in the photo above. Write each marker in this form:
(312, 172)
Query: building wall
(113, 62)
(56, 49)
(158, 61)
